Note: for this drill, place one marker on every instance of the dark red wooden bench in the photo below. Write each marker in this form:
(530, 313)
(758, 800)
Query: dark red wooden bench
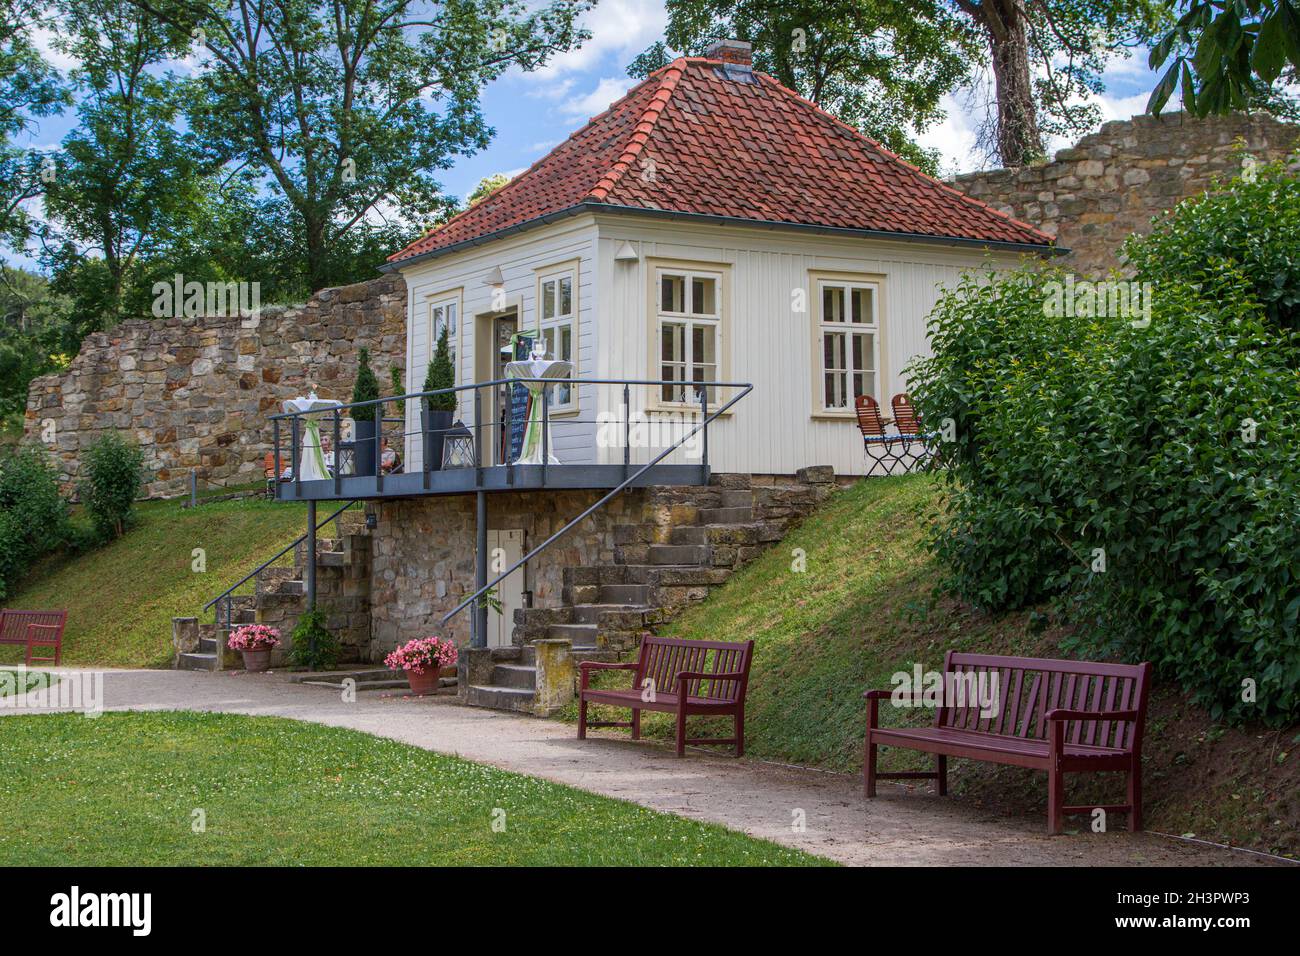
(1058, 716)
(685, 678)
(34, 629)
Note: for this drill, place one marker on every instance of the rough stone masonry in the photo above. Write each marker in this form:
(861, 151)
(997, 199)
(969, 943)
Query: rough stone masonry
(196, 393)
(1110, 184)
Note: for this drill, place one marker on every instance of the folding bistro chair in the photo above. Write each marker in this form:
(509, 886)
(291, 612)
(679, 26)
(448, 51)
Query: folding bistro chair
(881, 449)
(908, 423)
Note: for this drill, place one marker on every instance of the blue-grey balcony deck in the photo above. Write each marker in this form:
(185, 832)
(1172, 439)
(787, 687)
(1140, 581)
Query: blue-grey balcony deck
(496, 478)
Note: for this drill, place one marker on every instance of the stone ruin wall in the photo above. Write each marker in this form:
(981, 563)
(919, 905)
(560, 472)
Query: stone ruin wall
(1111, 184)
(196, 393)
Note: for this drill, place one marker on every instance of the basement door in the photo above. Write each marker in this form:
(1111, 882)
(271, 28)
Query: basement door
(504, 549)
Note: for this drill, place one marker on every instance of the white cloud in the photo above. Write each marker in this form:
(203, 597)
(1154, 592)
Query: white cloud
(43, 40)
(621, 28)
(607, 91)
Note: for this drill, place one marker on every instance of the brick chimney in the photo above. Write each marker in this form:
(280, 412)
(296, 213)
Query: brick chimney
(731, 51)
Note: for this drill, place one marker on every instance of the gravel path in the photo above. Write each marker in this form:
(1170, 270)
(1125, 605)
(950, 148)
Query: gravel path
(901, 826)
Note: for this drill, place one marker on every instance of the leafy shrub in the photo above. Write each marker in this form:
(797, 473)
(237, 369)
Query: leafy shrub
(1146, 478)
(33, 516)
(114, 473)
(315, 646)
(366, 389)
(1249, 227)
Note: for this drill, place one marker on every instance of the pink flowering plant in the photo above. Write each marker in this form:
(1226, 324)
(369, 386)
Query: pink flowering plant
(421, 654)
(253, 637)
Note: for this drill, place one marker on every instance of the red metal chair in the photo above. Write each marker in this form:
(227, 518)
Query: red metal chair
(33, 629)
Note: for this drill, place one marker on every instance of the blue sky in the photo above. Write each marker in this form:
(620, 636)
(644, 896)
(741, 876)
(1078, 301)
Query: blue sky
(532, 112)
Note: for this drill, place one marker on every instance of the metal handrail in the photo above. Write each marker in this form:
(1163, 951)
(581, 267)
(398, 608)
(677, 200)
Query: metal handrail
(509, 381)
(706, 418)
(278, 555)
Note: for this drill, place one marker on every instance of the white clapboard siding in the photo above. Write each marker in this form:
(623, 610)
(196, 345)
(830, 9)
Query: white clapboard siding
(519, 257)
(773, 430)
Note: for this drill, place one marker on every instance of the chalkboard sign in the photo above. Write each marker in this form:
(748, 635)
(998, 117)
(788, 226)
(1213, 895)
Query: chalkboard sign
(520, 399)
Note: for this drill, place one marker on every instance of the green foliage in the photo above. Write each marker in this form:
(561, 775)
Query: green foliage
(1251, 227)
(315, 646)
(1227, 54)
(114, 473)
(33, 517)
(33, 335)
(366, 389)
(441, 375)
(486, 187)
(360, 106)
(1147, 478)
(882, 67)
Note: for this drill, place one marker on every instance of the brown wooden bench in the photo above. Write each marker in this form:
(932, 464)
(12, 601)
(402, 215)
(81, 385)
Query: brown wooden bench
(34, 629)
(1058, 716)
(687, 678)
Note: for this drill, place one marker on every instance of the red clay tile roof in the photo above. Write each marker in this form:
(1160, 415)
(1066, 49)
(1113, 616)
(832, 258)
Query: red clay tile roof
(727, 142)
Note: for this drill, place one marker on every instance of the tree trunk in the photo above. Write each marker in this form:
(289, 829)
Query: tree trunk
(1019, 140)
(317, 267)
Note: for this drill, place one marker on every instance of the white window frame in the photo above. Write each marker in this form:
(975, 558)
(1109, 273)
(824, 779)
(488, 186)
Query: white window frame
(689, 320)
(444, 302)
(822, 326)
(550, 328)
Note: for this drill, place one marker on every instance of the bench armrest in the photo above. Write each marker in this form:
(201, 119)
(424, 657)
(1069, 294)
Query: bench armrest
(1062, 714)
(586, 667)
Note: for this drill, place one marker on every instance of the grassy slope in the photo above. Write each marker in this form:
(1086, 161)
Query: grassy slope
(121, 597)
(123, 789)
(863, 610)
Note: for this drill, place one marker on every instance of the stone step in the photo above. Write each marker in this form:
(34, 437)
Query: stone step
(736, 498)
(590, 613)
(689, 534)
(245, 616)
(197, 662)
(291, 586)
(514, 675)
(208, 645)
(623, 594)
(361, 675)
(726, 515)
(579, 634)
(678, 554)
(517, 699)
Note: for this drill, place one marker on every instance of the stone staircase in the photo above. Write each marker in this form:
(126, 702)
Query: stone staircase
(279, 597)
(690, 540)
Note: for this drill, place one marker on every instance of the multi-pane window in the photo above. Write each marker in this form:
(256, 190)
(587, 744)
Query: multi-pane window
(849, 343)
(555, 314)
(443, 315)
(687, 332)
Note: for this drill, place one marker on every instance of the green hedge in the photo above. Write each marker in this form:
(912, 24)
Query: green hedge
(33, 517)
(1146, 479)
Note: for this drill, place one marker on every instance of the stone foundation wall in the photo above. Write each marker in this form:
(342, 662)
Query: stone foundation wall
(422, 555)
(196, 392)
(1113, 182)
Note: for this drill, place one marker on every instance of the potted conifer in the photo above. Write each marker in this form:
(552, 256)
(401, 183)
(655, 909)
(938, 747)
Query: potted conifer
(366, 419)
(437, 411)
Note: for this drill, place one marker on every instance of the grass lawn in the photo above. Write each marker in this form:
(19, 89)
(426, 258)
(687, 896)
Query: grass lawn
(123, 789)
(121, 598)
(865, 608)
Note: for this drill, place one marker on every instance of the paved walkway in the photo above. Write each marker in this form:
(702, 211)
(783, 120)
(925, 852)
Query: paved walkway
(899, 827)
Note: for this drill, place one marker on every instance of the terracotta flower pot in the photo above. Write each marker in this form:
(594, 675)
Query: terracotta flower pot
(423, 682)
(257, 661)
